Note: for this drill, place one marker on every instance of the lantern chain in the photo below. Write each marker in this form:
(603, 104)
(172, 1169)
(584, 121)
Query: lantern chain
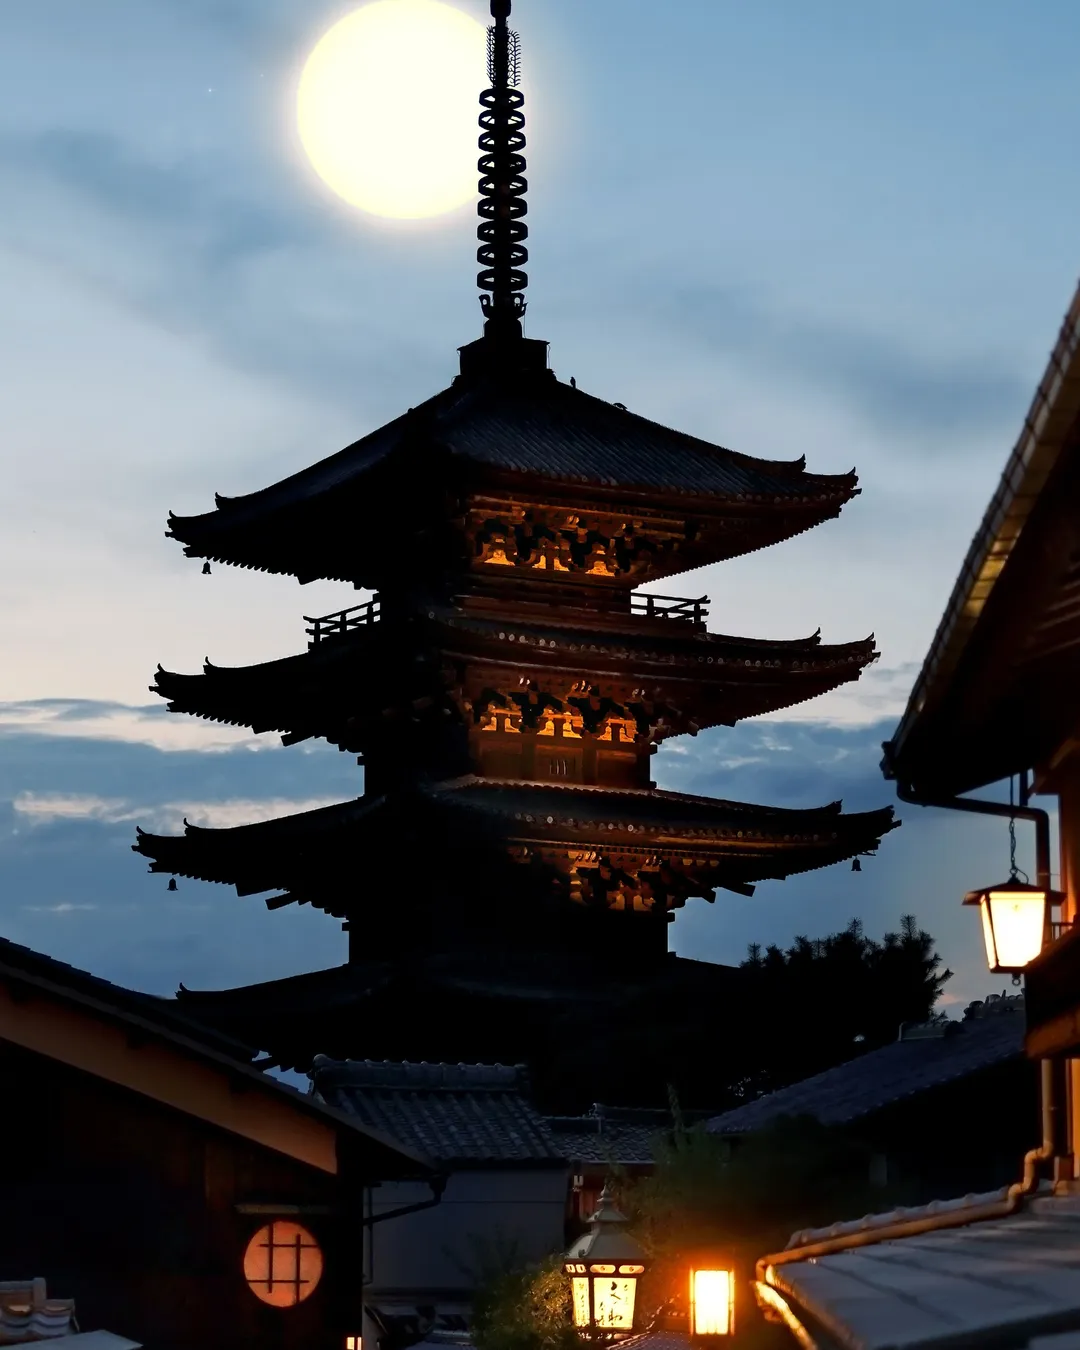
(1014, 871)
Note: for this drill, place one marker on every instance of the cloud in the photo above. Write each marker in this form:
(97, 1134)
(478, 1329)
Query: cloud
(265, 276)
(163, 818)
(79, 759)
(63, 908)
(893, 384)
(102, 720)
(69, 805)
(44, 808)
(188, 194)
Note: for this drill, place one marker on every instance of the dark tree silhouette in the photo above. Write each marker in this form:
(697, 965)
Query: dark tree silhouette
(779, 1017)
(821, 1002)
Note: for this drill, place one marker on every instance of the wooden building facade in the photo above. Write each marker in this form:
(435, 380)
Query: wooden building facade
(175, 1192)
(998, 698)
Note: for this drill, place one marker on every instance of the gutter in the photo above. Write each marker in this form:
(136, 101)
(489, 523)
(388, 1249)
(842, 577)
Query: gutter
(1051, 1115)
(1024, 811)
(1052, 1085)
(438, 1186)
(774, 1293)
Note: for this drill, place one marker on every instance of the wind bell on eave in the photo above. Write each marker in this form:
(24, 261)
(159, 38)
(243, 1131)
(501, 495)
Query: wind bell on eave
(502, 231)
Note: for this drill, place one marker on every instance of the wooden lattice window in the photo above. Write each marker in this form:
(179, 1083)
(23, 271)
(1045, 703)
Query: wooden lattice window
(283, 1264)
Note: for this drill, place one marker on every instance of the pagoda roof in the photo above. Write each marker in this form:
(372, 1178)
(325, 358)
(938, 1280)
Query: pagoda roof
(349, 1010)
(300, 854)
(318, 692)
(510, 431)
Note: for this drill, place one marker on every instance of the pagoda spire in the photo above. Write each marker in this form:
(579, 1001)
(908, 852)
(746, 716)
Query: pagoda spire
(502, 231)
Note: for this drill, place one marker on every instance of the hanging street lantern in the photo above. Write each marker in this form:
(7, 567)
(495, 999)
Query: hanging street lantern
(1016, 922)
(604, 1267)
(1015, 916)
(712, 1301)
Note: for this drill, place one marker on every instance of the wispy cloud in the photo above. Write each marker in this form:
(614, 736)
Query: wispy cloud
(227, 251)
(65, 907)
(894, 385)
(881, 692)
(44, 808)
(70, 885)
(150, 725)
(225, 814)
(167, 817)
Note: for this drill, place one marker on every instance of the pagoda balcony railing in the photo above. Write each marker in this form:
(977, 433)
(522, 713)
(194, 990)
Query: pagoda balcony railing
(677, 607)
(344, 621)
(694, 611)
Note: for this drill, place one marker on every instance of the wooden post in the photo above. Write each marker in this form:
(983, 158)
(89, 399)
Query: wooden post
(1067, 781)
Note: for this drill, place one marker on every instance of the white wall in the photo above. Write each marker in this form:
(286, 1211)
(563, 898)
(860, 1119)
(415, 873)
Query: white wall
(481, 1214)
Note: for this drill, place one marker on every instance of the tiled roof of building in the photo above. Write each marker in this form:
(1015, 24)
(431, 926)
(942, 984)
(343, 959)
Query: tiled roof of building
(556, 431)
(318, 691)
(28, 1314)
(658, 1340)
(161, 1021)
(756, 842)
(611, 1135)
(15, 959)
(455, 1113)
(302, 1015)
(986, 1271)
(547, 429)
(881, 1077)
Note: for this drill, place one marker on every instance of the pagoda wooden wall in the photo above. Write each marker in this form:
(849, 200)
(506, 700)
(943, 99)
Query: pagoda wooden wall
(130, 1208)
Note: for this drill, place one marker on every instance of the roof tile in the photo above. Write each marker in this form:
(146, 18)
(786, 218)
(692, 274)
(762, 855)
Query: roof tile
(464, 1113)
(875, 1080)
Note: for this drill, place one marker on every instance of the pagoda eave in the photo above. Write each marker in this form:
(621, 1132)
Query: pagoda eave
(569, 828)
(345, 686)
(540, 445)
(318, 1012)
(313, 553)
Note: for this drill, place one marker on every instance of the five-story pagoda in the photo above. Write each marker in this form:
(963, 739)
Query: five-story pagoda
(511, 860)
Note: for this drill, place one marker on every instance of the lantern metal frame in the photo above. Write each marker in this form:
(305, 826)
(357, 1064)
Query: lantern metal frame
(698, 1328)
(605, 1253)
(1013, 886)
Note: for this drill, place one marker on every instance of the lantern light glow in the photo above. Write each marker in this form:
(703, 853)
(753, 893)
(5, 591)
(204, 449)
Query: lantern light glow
(1015, 919)
(712, 1303)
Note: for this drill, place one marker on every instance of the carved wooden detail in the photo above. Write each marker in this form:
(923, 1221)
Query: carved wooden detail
(574, 732)
(621, 879)
(575, 709)
(549, 540)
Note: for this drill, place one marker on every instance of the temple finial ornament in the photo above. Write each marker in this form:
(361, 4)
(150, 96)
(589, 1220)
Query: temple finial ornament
(502, 231)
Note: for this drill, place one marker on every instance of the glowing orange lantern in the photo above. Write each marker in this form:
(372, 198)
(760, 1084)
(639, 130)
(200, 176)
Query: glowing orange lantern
(712, 1302)
(1015, 920)
(604, 1267)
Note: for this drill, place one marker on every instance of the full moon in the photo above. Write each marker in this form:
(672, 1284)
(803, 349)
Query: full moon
(387, 107)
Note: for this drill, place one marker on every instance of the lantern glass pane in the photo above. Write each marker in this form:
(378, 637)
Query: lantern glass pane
(1018, 919)
(988, 934)
(580, 1289)
(613, 1302)
(712, 1297)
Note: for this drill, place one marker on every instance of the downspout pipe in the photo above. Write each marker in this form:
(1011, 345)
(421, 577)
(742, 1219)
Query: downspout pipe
(1024, 811)
(1052, 1116)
